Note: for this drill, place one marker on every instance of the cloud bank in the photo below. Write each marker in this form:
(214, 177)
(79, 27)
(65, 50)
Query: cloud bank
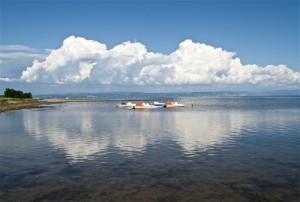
(86, 61)
(13, 59)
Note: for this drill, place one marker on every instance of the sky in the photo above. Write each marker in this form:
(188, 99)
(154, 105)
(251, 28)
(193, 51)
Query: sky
(52, 46)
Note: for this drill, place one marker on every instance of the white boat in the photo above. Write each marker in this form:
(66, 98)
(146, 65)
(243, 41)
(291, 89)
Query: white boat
(158, 104)
(140, 105)
(125, 105)
(173, 104)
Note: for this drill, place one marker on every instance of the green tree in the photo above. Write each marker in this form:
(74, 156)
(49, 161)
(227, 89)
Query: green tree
(12, 93)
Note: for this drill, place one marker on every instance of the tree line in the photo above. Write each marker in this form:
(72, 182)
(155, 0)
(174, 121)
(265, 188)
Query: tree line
(12, 93)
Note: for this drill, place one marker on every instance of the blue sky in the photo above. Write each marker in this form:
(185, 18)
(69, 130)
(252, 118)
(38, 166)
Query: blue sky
(258, 32)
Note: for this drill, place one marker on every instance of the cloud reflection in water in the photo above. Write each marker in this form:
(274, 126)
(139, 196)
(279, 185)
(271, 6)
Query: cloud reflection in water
(83, 134)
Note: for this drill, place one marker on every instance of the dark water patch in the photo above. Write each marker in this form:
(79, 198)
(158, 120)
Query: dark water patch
(256, 189)
(44, 107)
(64, 193)
(70, 170)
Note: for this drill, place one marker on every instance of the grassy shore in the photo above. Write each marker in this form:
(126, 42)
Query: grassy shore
(7, 104)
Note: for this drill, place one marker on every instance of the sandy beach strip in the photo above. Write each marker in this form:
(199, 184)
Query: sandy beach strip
(15, 105)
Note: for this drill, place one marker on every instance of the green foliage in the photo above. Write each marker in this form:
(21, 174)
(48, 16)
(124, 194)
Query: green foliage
(16, 93)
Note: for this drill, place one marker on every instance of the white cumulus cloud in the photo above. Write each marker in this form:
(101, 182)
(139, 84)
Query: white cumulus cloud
(82, 60)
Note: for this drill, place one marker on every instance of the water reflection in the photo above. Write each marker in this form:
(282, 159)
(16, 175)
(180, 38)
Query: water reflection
(203, 130)
(83, 135)
(73, 133)
(202, 153)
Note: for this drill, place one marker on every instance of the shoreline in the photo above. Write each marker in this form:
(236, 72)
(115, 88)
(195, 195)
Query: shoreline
(35, 103)
(16, 105)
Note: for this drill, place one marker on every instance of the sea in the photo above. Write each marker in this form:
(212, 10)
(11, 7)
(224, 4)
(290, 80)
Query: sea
(216, 148)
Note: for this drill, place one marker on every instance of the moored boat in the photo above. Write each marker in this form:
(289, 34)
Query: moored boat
(151, 105)
(125, 105)
(141, 105)
(173, 104)
(158, 104)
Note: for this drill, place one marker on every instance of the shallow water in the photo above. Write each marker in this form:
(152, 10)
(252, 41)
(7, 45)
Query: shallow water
(221, 149)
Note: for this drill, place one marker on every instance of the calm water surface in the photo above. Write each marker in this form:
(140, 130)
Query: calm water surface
(221, 149)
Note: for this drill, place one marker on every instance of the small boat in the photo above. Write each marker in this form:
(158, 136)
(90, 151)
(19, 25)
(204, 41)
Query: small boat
(125, 105)
(141, 105)
(158, 104)
(173, 104)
